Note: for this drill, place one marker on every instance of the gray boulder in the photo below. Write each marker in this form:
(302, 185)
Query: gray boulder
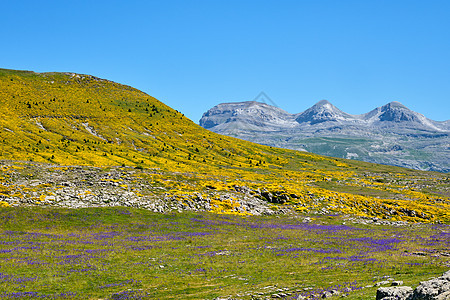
(394, 293)
(444, 296)
(434, 289)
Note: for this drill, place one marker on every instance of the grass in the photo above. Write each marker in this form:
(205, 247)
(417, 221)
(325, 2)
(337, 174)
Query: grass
(358, 190)
(98, 252)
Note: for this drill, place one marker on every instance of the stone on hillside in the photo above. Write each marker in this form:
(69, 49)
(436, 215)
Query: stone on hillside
(397, 293)
(397, 283)
(327, 295)
(242, 189)
(438, 288)
(444, 296)
(267, 196)
(434, 289)
(335, 292)
(384, 282)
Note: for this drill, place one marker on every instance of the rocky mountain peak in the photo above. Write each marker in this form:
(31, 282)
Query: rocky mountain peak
(323, 103)
(249, 112)
(397, 112)
(395, 104)
(322, 111)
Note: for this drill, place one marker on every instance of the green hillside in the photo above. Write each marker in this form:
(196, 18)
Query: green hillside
(66, 119)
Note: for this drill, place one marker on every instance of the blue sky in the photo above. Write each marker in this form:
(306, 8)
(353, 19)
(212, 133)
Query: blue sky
(193, 55)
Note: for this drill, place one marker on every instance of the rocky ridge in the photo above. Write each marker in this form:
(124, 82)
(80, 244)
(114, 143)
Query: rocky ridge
(118, 186)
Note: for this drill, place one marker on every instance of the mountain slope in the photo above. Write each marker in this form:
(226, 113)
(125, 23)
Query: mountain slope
(81, 119)
(50, 120)
(391, 134)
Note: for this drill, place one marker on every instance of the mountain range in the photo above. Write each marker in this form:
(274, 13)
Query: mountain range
(391, 134)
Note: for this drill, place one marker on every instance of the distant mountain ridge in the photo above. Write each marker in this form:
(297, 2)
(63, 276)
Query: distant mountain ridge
(391, 134)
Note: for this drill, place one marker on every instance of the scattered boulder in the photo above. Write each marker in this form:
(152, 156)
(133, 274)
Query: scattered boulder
(384, 282)
(394, 293)
(267, 196)
(434, 289)
(444, 296)
(328, 294)
(276, 197)
(242, 189)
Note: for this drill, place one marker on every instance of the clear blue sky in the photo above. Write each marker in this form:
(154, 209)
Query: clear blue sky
(192, 55)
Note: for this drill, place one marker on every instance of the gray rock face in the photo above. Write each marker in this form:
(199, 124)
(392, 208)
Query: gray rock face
(394, 293)
(321, 112)
(117, 186)
(443, 296)
(397, 112)
(384, 282)
(391, 134)
(434, 289)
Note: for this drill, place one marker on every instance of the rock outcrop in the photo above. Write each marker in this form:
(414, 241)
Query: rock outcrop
(434, 289)
(394, 293)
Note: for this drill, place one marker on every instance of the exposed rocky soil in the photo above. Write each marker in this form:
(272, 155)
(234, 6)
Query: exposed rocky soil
(77, 187)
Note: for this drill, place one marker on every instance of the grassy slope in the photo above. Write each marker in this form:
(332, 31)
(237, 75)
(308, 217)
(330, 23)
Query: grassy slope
(71, 119)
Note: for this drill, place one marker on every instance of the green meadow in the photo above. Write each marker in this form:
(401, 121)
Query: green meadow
(127, 253)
